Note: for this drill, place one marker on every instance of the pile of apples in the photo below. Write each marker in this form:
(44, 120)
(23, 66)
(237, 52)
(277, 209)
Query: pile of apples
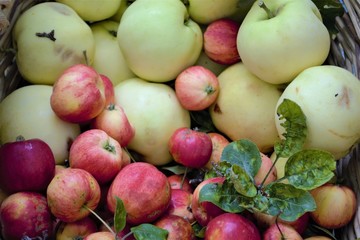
(110, 110)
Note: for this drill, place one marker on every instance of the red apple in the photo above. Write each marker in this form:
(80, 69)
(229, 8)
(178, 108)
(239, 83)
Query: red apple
(104, 235)
(144, 190)
(178, 181)
(59, 168)
(72, 194)
(25, 214)
(336, 205)
(280, 231)
(78, 94)
(219, 142)
(220, 41)
(197, 88)
(108, 90)
(26, 165)
(178, 228)
(205, 211)
(114, 122)
(98, 153)
(190, 148)
(126, 157)
(266, 166)
(75, 230)
(180, 205)
(231, 226)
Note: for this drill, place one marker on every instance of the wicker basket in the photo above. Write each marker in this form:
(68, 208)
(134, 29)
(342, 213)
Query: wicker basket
(345, 52)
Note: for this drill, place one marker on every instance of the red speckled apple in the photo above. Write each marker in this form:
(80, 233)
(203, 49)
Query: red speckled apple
(178, 228)
(219, 142)
(109, 90)
(178, 181)
(180, 204)
(75, 230)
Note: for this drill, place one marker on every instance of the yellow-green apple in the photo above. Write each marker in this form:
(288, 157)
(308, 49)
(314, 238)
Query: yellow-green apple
(72, 194)
(109, 90)
(332, 113)
(231, 226)
(220, 41)
(26, 165)
(155, 112)
(318, 238)
(190, 147)
(75, 230)
(25, 215)
(266, 169)
(123, 6)
(78, 94)
(59, 168)
(97, 153)
(279, 231)
(108, 58)
(280, 38)
(114, 122)
(179, 181)
(103, 235)
(180, 205)
(245, 107)
(159, 50)
(219, 142)
(44, 49)
(178, 228)
(196, 87)
(94, 10)
(206, 62)
(336, 205)
(27, 112)
(144, 190)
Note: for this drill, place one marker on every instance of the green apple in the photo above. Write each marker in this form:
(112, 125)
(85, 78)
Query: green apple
(108, 58)
(48, 38)
(158, 39)
(123, 6)
(245, 107)
(155, 112)
(280, 38)
(94, 10)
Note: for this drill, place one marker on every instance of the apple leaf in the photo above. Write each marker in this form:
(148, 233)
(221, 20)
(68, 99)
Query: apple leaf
(199, 231)
(176, 169)
(243, 184)
(202, 120)
(147, 231)
(308, 169)
(329, 10)
(287, 201)
(295, 127)
(119, 215)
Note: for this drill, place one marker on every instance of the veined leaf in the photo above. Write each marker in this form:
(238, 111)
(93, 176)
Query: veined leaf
(243, 184)
(310, 168)
(329, 10)
(119, 215)
(147, 231)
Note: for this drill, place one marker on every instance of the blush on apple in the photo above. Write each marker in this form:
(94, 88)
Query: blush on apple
(197, 88)
(178, 228)
(179, 181)
(266, 166)
(75, 230)
(109, 90)
(180, 205)
(219, 142)
(220, 41)
(280, 231)
(189, 147)
(103, 235)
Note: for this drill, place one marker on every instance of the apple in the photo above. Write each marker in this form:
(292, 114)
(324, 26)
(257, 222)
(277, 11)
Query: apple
(279, 39)
(336, 205)
(190, 148)
(180, 205)
(109, 91)
(103, 235)
(204, 61)
(25, 214)
(123, 6)
(115, 123)
(197, 88)
(27, 112)
(219, 142)
(332, 115)
(75, 230)
(72, 194)
(178, 228)
(318, 238)
(179, 181)
(220, 41)
(97, 153)
(44, 49)
(108, 58)
(265, 167)
(78, 94)
(126, 157)
(151, 54)
(144, 190)
(279, 231)
(245, 107)
(94, 10)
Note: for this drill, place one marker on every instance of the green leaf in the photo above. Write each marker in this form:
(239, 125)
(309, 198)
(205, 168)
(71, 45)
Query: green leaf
(119, 215)
(202, 120)
(243, 153)
(288, 202)
(310, 168)
(243, 184)
(148, 231)
(176, 169)
(199, 231)
(295, 128)
(329, 10)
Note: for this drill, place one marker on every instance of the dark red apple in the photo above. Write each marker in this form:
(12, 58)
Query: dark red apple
(178, 181)
(180, 204)
(178, 228)
(26, 165)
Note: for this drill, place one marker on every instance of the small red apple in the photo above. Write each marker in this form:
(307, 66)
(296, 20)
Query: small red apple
(178, 181)
(104, 235)
(280, 231)
(189, 147)
(266, 164)
(178, 228)
(197, 88)
(108, 90)
(180, 205)
(98, 153)
(75, 230)
(219, 142)
(26, 165)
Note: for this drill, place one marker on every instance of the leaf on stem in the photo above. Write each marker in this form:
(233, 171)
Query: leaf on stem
(243, 184)
(147, 231)
(119, 215)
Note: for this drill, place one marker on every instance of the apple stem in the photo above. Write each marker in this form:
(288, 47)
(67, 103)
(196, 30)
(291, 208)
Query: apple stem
(131, 157)
(268, 173)
(267, 10)
(100, 219)
(20, 138)
(86, 58)
(183, 178)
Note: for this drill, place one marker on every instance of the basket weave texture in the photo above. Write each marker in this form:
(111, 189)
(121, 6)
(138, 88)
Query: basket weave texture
(345, 52)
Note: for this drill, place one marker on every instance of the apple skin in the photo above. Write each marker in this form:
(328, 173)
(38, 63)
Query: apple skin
(71, 193)
(189, 147)
(78, 94)
(197, 88)
(144, 190)
(25, 214)
(231, 226)
(266, 164)
(178, 228)
(220, 41)
(177, 181)
(109, 91)
(26, 165)
(318, 238)
(219, 142)
(336, 205)
(75, 230)
(287, 232)
(277, 49)
(180, 205)
(103, 235)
